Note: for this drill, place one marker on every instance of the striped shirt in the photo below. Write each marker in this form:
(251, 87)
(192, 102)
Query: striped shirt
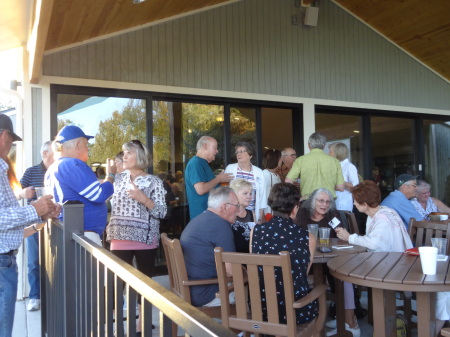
(34, 176)
(13, 217)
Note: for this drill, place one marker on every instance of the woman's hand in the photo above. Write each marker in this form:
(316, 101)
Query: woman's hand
(139, 196)
(342, 233)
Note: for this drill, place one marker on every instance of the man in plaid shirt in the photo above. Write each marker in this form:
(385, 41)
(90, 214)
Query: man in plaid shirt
(13, 227)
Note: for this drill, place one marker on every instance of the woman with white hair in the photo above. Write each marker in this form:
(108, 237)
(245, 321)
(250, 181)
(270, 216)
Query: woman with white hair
(344, 201)
(424, 203)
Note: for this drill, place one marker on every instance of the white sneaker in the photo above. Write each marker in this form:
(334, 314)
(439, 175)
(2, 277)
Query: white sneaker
(356, 332)
(331, 324)
(34, 304)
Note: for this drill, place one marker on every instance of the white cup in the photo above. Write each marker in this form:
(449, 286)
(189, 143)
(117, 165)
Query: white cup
(428, 259)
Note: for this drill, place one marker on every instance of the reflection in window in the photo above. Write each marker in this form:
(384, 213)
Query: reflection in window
(437, 158)
(346, 129)
(392, 150)
(112, 121)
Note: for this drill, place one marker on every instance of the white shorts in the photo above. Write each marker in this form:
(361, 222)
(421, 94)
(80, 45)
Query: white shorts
(443, 306)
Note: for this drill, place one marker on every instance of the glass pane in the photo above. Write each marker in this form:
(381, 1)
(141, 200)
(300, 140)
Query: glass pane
(276, 128)
(346, 129)
(112, 121)
(176, 129)
(243, 128)
(437, 158)
(392, 150)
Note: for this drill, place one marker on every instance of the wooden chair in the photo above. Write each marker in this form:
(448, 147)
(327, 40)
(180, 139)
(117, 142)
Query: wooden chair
(352, 223)
(421, 232)
(179, 282)
(254, 322)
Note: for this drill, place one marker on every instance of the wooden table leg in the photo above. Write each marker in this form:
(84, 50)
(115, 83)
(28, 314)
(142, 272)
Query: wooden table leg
(340, 310)
(318, 274)
(424, 314)
(390, 313)
(379, 327)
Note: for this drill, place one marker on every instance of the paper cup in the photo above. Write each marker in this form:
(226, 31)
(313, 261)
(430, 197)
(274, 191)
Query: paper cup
(428, 259)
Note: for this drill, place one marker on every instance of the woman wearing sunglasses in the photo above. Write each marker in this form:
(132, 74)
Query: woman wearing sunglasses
(138, 205)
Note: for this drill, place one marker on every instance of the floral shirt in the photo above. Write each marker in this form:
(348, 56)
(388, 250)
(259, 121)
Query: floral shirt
(431, 207)
(131, 220)
(279, 235)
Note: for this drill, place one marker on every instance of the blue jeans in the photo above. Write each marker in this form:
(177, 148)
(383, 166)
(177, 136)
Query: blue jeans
(8, 293)
(32, 243)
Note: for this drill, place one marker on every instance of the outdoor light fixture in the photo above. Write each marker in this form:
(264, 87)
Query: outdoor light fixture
(138, 1)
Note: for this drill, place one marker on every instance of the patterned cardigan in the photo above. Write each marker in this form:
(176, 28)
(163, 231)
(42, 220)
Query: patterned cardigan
(131, 220)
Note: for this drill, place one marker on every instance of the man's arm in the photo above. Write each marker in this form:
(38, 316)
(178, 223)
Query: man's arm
(294, 172)
(205, 187)
(340, 187)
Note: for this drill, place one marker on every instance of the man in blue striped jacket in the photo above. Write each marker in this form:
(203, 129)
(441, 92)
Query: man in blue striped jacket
(70, 178)
(34, 177)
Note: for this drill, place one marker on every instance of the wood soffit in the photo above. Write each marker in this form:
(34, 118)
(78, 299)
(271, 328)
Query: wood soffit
(422, 28)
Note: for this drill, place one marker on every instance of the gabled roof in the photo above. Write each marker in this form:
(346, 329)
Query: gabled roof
(421, 28)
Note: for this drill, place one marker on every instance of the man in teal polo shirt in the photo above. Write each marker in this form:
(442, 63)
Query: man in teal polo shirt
(200, 178)
(317, 169)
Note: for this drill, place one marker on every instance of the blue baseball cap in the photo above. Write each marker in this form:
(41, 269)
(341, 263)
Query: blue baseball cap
(70, 132)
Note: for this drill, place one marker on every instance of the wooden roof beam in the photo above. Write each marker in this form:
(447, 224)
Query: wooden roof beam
(38, 37)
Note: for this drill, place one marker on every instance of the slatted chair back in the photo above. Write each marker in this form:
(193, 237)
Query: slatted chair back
(246, 285)
(352, 223)
(178, 277)
(421, 232)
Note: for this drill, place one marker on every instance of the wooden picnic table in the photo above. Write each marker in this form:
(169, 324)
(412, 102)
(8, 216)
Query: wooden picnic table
(386, 273)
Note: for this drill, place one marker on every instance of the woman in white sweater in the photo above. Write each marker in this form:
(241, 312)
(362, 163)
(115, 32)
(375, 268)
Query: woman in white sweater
(244, 169)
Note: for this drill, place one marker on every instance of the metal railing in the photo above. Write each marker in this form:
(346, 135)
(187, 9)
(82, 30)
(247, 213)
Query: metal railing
(82, 283)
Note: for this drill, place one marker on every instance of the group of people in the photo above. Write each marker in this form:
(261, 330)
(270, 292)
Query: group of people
(235, 220)
(293, 191)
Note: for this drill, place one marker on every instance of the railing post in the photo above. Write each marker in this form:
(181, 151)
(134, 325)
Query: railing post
(73, 212)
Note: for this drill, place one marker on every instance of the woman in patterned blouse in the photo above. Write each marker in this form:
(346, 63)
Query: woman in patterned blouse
(282, 234)
(138, 205)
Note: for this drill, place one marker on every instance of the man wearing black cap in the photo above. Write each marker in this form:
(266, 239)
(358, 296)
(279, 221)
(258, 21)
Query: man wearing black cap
(70, 178)
(405, 189)
(13, 227)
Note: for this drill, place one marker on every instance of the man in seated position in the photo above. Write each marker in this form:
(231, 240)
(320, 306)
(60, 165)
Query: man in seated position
(202, 234)
(405, 189)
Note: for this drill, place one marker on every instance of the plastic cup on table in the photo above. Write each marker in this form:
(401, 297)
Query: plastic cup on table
(324, 236)
(441, 245)
(428, 259)
(313, 229)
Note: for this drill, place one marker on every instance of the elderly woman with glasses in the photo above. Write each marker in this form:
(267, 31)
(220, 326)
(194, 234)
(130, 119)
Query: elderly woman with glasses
(281, 233)
(320, 209)
(244, 169)
(424, 203)
(138, 205)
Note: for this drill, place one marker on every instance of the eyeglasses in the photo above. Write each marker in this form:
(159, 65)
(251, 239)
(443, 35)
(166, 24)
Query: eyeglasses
(237, 205)
(137, 142)
(293, 155)
(240, 151)
(323, 202)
